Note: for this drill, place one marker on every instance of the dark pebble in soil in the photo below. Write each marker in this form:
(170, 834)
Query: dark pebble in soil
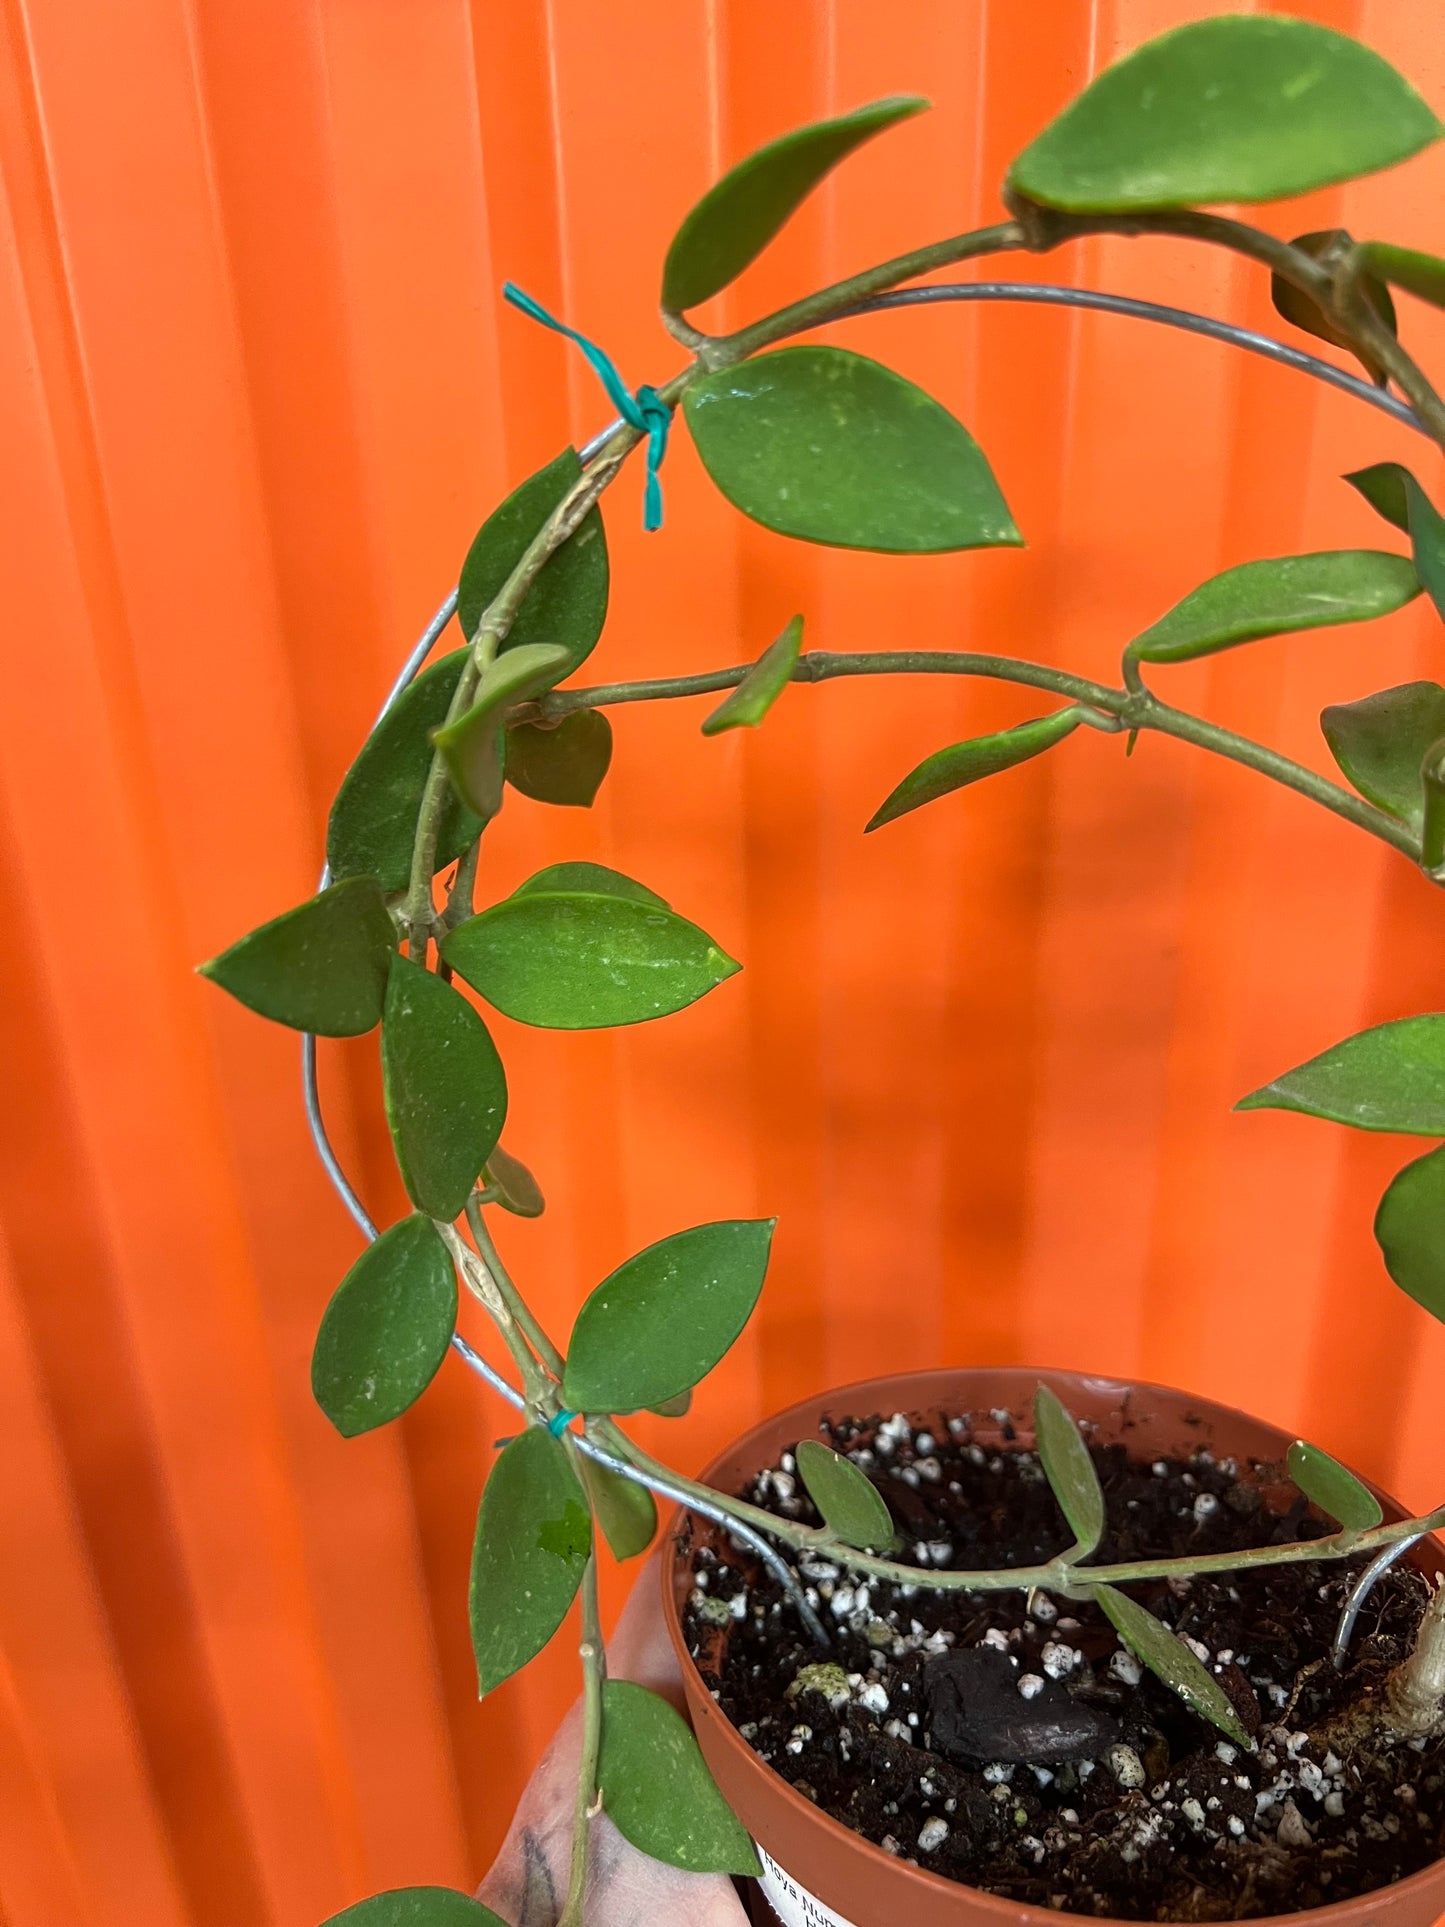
(976, 1713)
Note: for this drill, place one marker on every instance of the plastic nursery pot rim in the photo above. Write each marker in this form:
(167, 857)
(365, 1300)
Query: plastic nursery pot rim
(863, 1885)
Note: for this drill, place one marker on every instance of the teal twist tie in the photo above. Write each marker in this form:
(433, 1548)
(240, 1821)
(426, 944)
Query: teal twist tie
(559, 1422)
(644, 409)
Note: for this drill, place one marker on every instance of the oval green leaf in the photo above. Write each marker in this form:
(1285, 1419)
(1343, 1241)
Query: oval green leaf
(1410, 1230)
(1243, 107)
(1279, 597)
(761, 687)
(1383, 487)
(570, 960)
(1304, 312)
(1418, 274)
(831, 447)
(564, 765)
(735, 220)
(656, 1788)
(1169, 1659)
(1388, 1078)
(517, 1190)
(625, 1510)
(567, 604)
(321, 967)
(417, 1907)
(1432, 823)
(446, 1091)
(1381, 742)
(387, 1329)
(663, 1319)
(851, 1505)
(1070, 1471)
(534, 1535)
(1334, 1489)
(1427, 540)
(592, 879)
(473, 747)
(372, 825)
(964, 763)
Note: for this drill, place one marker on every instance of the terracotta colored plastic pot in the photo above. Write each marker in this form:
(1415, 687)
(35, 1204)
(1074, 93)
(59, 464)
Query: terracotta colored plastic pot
(822, 1874)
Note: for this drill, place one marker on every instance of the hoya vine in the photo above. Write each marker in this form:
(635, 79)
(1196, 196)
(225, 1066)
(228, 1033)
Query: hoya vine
(828, 446)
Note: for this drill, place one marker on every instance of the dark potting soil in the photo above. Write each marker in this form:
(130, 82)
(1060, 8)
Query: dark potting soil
(1013, 1744)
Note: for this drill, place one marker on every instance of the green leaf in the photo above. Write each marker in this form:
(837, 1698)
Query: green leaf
(1418, 274)
(1427, 541)
(387, 1329)
(592, 879)
(1410, 1229)
(851, 1505)
(663, 1319)
(567, 604)
(1432, 824)
(1070, 1471)
(657, 1790)
(1336, 1491)
(1381, 742)
(1237, 108)
(474, 745)
(577, 960)
(446, 1091)
(1388, 1078)
(1298, 307)
(737, 217)
(517, 1190)
(564, 765)
(1169, 1659)
(321, 967)
(534, 1535)
(831, 447)
(1383, 487)
(1279, 597)
(676, 1407)
(624, 1509)
(964, 763)
(372, 826)
(761, 687)
(417, 1907)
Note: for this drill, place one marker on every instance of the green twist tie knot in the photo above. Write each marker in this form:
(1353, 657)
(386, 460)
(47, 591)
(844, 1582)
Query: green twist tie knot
(642, 409)
(559, 1422)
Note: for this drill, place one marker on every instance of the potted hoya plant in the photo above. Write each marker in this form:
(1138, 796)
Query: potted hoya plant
(973, 1644)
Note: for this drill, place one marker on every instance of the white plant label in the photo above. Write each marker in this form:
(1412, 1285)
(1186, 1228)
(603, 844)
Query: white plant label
(792, 1903)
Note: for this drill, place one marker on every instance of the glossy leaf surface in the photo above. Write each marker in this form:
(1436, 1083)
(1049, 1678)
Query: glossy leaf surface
(474, 745)
(1419, 274)
(386, 1330)
(663, 1319)
(735, 220)
(851, 1505)
(534, 1534)
(960, 764)
(593, 879)
(625, 1510)
(1304, 312)
(517, 1190)
(657, 1790)
(321, 967)
(417, 1907)
(1380, 743)
(1279, 597)
(1070, 1470)
(1169, 1659)
(1236, 108)
(567, 604)
(831, 447)
(1388, 1078)
(446, 1091)
(572, 960)
(1333, 1488)
(564, 765)
(1410, 1230)
(746, 706)
(372, 825)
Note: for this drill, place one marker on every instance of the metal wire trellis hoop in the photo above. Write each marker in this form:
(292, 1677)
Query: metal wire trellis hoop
(1040, 293)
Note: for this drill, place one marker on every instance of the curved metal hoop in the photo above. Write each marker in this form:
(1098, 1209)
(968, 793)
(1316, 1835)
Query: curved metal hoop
(1045, 294)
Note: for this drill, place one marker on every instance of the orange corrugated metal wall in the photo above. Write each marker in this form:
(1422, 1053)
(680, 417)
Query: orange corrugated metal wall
(258, 390)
